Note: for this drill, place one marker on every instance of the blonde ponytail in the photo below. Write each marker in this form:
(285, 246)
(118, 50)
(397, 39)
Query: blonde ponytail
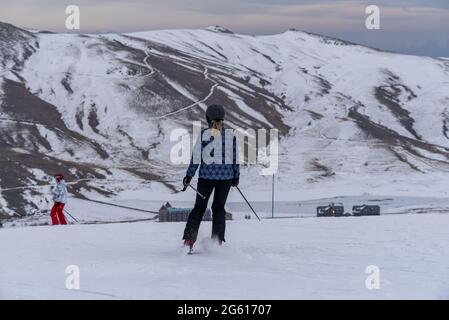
(217, 127)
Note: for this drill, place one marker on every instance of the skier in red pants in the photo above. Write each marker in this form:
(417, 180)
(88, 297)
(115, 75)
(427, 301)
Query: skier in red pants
(60, 199)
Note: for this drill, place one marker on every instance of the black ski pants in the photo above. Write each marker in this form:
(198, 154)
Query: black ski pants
(205, 187)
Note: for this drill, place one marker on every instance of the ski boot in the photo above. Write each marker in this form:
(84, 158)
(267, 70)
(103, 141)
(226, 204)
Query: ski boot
(189, 243)
(217, 240)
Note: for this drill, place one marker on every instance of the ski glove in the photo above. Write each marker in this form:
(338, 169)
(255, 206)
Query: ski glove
(235, 182)
(186, 181)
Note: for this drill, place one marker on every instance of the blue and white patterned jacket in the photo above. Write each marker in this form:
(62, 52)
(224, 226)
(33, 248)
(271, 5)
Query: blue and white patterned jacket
(213, 167)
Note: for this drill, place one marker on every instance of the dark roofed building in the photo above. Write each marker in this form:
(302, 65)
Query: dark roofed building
(167, 213)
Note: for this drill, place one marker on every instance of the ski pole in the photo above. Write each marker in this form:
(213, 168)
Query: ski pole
(71, 216)
(185, 188)
(248, 203)
(204, 198)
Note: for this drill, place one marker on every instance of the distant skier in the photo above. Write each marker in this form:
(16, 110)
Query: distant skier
(60, 200)
(216, 172)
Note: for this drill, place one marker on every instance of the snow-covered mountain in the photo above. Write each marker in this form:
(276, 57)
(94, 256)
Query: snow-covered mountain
(101, 109)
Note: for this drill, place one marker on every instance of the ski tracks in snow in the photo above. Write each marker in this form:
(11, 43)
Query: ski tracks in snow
(206, 247)
(104, 295)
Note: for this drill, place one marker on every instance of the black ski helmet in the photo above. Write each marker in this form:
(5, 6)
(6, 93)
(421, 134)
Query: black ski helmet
(215, 112)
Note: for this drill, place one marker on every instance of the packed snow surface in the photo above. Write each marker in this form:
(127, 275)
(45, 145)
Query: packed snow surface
(274, 259)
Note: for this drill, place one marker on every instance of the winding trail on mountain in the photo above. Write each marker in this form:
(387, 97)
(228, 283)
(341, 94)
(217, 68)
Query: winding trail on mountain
(206, 76)
(211, 92)
(149, 67)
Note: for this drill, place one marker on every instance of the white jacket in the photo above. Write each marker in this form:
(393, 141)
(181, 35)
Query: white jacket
(60, 192)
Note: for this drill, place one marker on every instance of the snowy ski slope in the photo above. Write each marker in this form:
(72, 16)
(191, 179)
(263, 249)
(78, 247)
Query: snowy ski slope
(275, 259)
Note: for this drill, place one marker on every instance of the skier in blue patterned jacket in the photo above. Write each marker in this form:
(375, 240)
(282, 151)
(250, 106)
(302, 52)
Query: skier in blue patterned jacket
(219, 171)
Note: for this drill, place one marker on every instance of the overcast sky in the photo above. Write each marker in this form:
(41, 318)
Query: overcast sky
(409, 26)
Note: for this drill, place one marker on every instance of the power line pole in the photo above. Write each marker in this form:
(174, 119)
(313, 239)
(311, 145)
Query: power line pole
(272, 198)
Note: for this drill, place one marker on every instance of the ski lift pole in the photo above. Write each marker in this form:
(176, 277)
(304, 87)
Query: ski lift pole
(272, 198)
(71, 216)
(247, 202)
